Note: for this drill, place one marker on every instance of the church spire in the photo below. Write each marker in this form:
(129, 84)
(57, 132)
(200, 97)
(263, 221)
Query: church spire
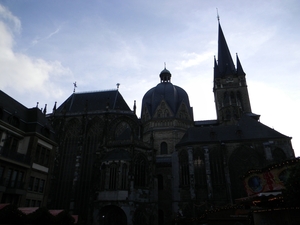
(225, 62)
(216, 69)
(230, 88)
(239, 68)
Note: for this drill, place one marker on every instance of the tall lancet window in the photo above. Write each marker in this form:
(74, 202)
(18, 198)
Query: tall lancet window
(113, 176)
(199, 167)
(102, 176)
(184, 169)
(140, 172)
(163, 148)
(124, 176)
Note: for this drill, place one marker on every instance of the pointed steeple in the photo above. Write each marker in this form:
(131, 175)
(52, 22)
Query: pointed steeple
(239, 68)
(225, 61)
(216, 69)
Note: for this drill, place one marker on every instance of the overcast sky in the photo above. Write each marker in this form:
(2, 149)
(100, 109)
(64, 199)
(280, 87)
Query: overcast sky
(45, 46)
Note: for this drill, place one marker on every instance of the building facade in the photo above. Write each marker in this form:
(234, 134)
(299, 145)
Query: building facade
(27, 150)
(112, 167)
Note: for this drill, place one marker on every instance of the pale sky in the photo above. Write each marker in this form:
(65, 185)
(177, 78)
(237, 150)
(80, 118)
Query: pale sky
(45, 46)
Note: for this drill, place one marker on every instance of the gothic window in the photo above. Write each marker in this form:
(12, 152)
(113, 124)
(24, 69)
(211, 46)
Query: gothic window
(228, 114)
(226, 98)
(242, 159)
(123, 131)
(184, 169)
(102, 176)
(239, 99)
(232, 98)
(159, 113)
(166, 113)
(124, 176)
(113, 176)
(140, 172)
(160, 181)
(216, 165)
(199, 167)
(163, 148)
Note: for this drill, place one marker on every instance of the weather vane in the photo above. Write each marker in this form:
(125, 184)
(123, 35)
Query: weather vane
(75, 86)
(218, 17)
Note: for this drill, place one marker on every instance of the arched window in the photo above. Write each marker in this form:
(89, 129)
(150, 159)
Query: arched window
(123, 131)
(199, 167)
(216, 166)
(166, 113)
(140, 172)
(160, 181)
(232, 98)
(163, 148)
(184, 169)
(239, 99)
(124, 176)
(102, 176)
(112, 176)
(159, 113)
(226, 98)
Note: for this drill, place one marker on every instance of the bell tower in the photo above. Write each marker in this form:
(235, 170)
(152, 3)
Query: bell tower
(230, 87)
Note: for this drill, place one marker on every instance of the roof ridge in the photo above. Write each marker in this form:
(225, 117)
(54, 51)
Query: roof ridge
(86, 92)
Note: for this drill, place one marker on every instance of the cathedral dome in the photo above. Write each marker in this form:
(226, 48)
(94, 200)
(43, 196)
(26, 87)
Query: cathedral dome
(165, 92)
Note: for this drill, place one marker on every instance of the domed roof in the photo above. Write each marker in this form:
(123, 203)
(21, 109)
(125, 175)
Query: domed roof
(165, 75)
(171, 94)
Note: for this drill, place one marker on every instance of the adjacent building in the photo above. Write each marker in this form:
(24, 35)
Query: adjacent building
(27, 150)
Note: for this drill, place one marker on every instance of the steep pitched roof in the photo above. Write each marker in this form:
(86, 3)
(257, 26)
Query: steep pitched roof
(94, 101)
(239, 68)
(246, 129)
(225, 62)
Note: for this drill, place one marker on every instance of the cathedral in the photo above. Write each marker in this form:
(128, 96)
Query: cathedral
(112, 167)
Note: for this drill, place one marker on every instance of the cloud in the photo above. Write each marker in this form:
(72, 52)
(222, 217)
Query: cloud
(6, 15)
(36, 40)
(193, 59)
(21, 74)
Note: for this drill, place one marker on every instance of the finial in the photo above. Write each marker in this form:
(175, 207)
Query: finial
(165, 65)
(37, 104)
(118, 85)
(218, 17)
(134, 107)
(45, 109)
(75, 86)
(54, 108)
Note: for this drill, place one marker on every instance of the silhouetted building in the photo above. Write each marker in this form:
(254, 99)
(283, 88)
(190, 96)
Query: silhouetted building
(115, 168)
(27, 149)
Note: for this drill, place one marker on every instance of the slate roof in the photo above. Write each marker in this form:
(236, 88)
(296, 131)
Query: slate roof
(94, 101)
(172, 94)
(225, 65)
(27, 120)
(225, 62)
(247, 128)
